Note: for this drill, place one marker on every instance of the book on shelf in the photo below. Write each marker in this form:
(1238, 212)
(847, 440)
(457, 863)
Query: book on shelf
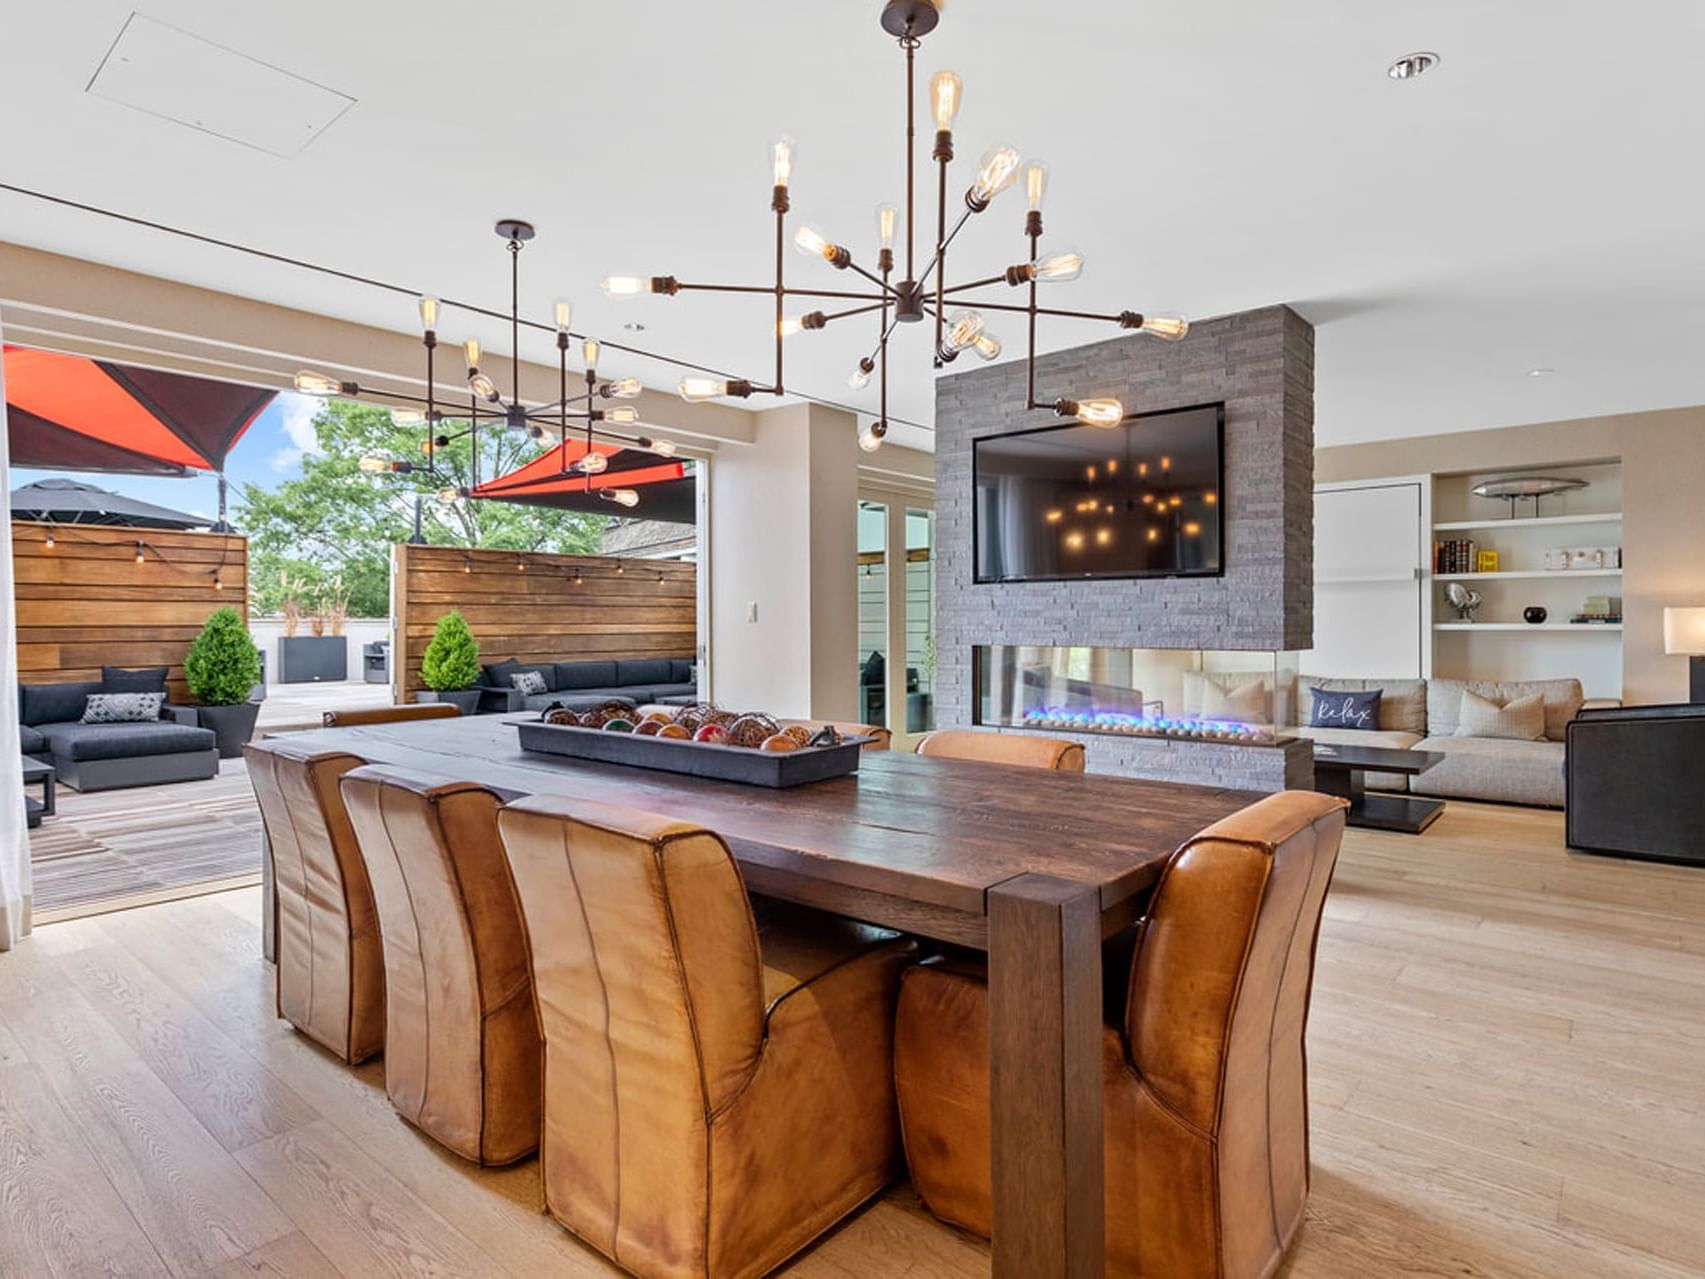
(1457, 555)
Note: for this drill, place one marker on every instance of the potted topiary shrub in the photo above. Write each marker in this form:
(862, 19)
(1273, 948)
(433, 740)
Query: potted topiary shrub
(451, 664)
(222, 667)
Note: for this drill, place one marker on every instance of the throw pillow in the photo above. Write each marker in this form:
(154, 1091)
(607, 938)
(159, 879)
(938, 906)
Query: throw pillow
(1521, 719)
(123, 708)
(1244, 704)
(115, 679)
(529, 682)
(1358, 711)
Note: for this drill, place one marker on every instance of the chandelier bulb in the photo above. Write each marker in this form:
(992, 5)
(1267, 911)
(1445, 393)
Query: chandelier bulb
(310, 382)
(1035, 184)
(592, 463)
(870, 439)
(963, 328)
(622, 415)
(945, 91)
(471, 352)
(564, 312)
(621, 389)
(621, 497)
(810, 241)
(482, 385)
(429, 314)
(663, 448)
(987, 346)
(589, 353)
(1170, 328)
(788, 325)
(886, 217)
(695, 390)
(1103, 413)
(625, 286)
(448, 495)
(996, 171)
(782, 151)
(859, 378)
(408, 417)
(1067, 264)
(375, 465)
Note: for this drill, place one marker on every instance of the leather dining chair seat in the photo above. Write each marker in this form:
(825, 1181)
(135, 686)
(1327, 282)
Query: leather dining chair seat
(717, 1094)
(1004, 748)
(463, 1061)
(1205, 1081)
(331, 975)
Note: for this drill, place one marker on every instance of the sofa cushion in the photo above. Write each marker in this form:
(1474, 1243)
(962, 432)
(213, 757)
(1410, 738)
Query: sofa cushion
(1344, 708)
(574, 676)
(1402, 702)
(40, 704)
(1238, 695)
(1563, 700)
(30, 740)
(1521, 719)
(501, 674)
(1494, 769)
(652, 670)
(681, 671)
(125, 741)
(123, 708)
(116, 679)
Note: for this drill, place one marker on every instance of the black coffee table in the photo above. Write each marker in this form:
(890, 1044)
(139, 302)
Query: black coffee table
(1342, 771)
(35, 810)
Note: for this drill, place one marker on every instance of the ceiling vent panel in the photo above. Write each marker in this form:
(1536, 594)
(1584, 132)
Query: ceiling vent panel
(177, 76)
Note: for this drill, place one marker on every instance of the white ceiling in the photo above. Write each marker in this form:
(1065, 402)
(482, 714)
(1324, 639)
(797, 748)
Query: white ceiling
(1535, 201)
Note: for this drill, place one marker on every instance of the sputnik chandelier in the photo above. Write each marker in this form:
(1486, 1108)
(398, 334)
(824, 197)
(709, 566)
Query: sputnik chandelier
(919, 295)
(486, 404)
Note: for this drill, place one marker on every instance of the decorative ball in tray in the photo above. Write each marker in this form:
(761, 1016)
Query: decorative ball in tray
(702, 740)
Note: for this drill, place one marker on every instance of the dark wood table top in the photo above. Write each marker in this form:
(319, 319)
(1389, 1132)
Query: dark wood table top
(936, 832)
(1380, 759)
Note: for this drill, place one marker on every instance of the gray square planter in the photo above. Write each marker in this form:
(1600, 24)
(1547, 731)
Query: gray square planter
(304, 659)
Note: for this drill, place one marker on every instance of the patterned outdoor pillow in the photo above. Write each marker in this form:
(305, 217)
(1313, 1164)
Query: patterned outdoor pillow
(123, 708)
(529, 683)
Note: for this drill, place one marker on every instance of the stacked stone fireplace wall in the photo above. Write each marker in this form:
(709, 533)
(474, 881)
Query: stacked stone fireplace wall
(1261, 364)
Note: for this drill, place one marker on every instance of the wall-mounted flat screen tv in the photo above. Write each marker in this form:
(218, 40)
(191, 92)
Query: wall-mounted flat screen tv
(1063, 502)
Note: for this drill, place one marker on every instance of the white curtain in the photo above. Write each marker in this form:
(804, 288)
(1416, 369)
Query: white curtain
(14, 839)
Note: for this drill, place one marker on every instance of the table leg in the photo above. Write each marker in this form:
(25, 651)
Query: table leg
(1345, 783)
(48, 800)
(1046, 1085)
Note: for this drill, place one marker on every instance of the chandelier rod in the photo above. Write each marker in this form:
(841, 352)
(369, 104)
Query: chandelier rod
(790, 291)
(910, 44)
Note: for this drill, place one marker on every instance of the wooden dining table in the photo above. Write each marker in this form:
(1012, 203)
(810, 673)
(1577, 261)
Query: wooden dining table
(1032, 866)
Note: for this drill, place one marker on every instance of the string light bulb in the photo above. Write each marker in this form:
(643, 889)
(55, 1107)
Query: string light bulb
(139, 552)
(218, 581)
(945, 91)
(50, 542)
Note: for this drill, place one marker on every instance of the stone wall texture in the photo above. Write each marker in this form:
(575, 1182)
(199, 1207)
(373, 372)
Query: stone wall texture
(1261, 364)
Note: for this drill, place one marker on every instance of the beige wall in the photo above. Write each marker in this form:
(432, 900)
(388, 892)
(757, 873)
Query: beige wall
(1663, 481)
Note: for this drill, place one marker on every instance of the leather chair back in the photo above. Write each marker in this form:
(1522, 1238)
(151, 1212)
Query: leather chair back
(1004, 748)
(331, 976)
(389, 714)
(462, 1055)
(649, 983)
(1214, 1027)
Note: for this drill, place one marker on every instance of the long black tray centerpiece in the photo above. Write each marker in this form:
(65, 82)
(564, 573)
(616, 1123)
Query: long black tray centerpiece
(776, 769)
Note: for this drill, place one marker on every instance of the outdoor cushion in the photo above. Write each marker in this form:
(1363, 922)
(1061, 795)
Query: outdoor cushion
(662, 692)
(681, 670)
(501, 674)
(30, 742)
(530, 682)
(116, 679)
(125, 741)
(123, 708)
(578, 675)
(655, 670)
(40, 704)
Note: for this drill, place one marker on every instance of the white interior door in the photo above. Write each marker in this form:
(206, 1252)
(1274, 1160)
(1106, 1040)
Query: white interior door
(1369, 588)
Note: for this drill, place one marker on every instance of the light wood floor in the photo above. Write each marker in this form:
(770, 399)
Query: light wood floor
(1506, 1049)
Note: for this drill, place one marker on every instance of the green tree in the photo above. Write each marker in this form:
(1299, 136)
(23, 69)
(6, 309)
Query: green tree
(337, 519)
(222, 664)
(452, 659)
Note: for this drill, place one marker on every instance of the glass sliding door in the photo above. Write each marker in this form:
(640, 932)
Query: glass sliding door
(920, 620)
(873, 613)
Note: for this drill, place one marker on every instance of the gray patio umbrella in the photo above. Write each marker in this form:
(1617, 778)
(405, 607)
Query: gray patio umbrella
(59, 501)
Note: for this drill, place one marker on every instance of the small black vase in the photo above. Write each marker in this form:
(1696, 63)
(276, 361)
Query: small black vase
(1533, 615)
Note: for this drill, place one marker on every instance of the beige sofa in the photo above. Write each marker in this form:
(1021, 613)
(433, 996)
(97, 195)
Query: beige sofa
(1422, 715)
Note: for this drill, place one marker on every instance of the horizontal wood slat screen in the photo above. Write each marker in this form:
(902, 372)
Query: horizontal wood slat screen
(529, 607)
(85, 602)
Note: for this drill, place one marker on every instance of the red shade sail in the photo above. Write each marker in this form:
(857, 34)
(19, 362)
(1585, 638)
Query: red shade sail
(544, 475)
(65, 412)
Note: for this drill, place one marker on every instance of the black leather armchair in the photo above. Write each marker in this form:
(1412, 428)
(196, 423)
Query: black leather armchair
(1634, 777)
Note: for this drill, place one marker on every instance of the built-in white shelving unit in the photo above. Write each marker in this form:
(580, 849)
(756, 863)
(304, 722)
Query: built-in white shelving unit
(1534, 521)
(1579, 628)
(1528, 574)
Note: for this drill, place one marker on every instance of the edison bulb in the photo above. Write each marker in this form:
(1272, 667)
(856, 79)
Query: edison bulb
(592, 463)
(788, 325)
(781, 160)
(374, 465)
(886, 217)
(809, 241)
(471, 352)
(429, 314)
(987, 345)
(1064, 265)
(695, 389)
(859, 378)
(311, 383)
(1035, 184)
(621, 497)
(1100, 412)
(624, 286)
(564, 312)
(622, 415)
(1168, 327)
(448, 496)
(589, 353)
(482, 385)
(963, 328)
(870, 439)
(945, 92)
(663, 448)
(622, 388)
(996, 171)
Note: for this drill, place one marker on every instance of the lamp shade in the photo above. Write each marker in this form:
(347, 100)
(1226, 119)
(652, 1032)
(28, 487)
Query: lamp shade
(1684, 631)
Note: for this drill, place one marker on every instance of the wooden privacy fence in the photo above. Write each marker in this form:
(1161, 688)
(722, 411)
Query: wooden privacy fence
(541, 608)
(84, 601)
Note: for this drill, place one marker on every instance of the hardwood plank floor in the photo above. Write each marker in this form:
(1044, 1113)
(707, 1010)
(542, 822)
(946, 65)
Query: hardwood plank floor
(1504, 1056)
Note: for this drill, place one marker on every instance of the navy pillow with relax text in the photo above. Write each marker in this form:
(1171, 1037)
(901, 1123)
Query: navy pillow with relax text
(1345, 710)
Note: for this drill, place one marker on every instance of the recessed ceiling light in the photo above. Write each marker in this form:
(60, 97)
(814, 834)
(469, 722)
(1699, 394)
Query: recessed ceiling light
(1411, 65)
(634, 326)
(1540, 372)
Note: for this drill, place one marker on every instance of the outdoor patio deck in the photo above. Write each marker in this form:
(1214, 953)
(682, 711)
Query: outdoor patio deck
(289, 706)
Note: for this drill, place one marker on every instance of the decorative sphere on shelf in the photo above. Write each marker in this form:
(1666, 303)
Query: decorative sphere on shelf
(799, 733)
(648, 727)
(675, 732)
(751, 730)
(714, 734)
(617, 724)
(1533, 615)
(778, 742)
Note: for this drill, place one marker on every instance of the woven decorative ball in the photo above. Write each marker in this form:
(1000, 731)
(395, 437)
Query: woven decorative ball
(648, 727)
(562, 715)
(751, 730)
(616, 724)
(613, 709)
(780, 742)
(692, 717)
(714, 734)
(658, 717)
(675, 731)
(799, 733)
(722, 718)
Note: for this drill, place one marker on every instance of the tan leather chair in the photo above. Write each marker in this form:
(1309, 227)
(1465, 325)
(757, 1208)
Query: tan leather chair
(1206, 1090)
(331, 976)
(716, 1095)
(881, 738)
(1004, 748)
(389, 714)
(463, 1061)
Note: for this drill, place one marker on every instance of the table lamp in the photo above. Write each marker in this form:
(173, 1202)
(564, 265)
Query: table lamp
(1684, 632)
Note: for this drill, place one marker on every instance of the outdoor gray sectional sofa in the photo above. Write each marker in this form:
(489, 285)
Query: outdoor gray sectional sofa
(95, 757)
(581, 686)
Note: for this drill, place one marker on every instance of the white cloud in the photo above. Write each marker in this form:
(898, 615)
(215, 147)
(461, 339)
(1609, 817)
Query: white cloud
(296, 421)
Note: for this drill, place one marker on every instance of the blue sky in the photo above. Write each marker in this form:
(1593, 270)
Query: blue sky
(270, 452)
